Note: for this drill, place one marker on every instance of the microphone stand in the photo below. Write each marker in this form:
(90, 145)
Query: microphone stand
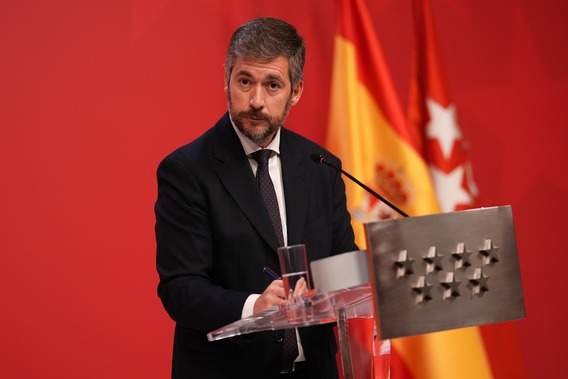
(318, 158)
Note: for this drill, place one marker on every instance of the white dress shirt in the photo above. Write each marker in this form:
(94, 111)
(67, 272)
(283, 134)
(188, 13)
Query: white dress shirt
(275, 172)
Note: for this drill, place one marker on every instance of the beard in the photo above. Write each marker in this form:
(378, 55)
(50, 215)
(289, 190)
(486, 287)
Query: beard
(256, 125)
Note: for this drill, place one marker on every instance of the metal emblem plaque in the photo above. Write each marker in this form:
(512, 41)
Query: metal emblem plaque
(444, 271)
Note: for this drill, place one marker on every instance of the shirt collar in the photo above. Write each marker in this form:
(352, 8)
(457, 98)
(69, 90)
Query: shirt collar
(250, 147)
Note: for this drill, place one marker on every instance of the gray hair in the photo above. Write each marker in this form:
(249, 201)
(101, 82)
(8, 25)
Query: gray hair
(266, 39)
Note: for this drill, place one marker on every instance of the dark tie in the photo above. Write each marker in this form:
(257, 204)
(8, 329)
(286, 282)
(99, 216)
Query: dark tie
(290, 344)
(267, 191)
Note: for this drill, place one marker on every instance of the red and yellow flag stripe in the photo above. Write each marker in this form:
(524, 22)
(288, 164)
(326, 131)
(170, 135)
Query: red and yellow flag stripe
(367, 128)
(368, 131)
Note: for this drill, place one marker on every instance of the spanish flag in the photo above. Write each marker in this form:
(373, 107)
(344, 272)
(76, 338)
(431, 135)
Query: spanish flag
(367, 127)
(368, 130)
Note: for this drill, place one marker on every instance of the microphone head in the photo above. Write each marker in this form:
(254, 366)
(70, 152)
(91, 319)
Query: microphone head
(318, 158)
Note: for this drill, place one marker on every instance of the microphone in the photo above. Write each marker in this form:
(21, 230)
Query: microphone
(319, 158)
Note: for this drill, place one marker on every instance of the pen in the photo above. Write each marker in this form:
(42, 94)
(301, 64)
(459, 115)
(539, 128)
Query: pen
(270, 273)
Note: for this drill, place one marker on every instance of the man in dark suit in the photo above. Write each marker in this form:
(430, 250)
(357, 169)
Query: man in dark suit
(229, 199)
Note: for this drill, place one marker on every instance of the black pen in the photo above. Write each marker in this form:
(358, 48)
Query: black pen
(270, 273)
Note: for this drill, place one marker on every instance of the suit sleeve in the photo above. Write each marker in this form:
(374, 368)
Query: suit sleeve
(185, 252)
(342, 232)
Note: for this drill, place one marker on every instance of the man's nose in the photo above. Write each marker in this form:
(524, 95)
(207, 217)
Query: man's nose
(257, 98)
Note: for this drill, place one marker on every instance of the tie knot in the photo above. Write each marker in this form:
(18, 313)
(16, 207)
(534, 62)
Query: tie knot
(262, 156)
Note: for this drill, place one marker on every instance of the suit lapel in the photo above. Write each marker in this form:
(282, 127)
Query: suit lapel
(296, 187)
(234, 171)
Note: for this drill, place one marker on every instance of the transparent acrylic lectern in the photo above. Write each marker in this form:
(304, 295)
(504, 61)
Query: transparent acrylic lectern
(320, 308)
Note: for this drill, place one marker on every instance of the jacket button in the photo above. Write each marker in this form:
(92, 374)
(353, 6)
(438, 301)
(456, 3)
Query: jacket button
(279, 340)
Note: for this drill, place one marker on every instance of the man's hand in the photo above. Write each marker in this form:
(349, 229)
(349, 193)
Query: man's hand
(300, 289)
(272, 295)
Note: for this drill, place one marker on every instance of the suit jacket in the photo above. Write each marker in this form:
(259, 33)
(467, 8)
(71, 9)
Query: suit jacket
(214, 237)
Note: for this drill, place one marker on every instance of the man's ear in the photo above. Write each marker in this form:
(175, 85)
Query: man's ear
(297, 93)
(226, 86)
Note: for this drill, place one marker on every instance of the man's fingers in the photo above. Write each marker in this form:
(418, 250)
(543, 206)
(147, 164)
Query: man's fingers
(276, 288)
(275, 300)
(278, 283)
(267, 300)
(300, 287)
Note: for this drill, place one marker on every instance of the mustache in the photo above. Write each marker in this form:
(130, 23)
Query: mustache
(257, 115)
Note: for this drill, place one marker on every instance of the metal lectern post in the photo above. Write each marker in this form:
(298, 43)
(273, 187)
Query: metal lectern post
(343, 336)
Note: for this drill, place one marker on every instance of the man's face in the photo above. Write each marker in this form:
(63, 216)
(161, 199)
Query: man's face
(260, 95)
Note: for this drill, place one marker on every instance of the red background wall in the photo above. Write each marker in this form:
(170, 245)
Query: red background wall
(95, 93)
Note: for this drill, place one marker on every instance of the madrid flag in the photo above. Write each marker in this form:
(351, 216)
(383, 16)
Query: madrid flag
(432, 111)
(369, 132)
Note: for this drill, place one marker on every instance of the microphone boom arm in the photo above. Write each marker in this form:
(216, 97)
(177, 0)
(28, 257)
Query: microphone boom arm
(321, 159)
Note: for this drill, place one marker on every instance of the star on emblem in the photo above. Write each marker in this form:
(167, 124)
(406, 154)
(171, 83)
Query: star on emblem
(433, 260)
(450, 287)
(461, 257)
(489, 253)
(422, 290)
(478, 282)
(443, 126)
(449, 188)
(403, 265)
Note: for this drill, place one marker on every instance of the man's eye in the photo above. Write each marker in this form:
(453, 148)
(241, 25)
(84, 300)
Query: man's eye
(244, 82)
(274, 86)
